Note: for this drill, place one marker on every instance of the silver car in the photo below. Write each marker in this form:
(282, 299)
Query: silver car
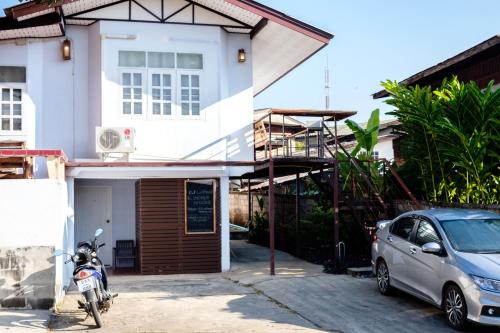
(447, 257)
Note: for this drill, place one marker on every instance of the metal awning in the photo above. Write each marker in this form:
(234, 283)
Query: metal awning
(329, 115)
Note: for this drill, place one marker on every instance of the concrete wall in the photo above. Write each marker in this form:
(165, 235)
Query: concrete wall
(35, 220)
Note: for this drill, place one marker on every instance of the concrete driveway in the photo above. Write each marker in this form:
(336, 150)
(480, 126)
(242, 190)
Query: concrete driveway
(24, 321)
(300, 298)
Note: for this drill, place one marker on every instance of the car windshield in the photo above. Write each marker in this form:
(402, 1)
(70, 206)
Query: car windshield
(474, 235)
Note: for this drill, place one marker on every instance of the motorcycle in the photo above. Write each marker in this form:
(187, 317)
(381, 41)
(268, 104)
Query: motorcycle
(90, 277)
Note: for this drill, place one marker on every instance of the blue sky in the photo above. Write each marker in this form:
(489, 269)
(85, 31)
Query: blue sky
(374, 41)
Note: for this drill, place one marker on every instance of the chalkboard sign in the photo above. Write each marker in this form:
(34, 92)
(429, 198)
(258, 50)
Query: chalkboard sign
(200, 206)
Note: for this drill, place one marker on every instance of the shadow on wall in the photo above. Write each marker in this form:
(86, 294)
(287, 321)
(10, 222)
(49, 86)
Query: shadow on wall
(27, 277)
(231, 144)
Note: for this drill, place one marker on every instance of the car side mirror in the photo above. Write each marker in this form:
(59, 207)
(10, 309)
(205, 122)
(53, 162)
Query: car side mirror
(432, 248)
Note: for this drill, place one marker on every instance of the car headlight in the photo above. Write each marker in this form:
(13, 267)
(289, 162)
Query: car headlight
(486, 284)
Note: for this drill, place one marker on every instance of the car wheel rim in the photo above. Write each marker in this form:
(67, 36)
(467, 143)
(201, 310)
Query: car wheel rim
(383, 277)
(454, 307)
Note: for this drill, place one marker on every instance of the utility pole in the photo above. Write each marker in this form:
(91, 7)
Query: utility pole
(327, 85)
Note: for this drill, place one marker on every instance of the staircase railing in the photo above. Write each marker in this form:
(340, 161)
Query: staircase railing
(366, 179)
(359, 170)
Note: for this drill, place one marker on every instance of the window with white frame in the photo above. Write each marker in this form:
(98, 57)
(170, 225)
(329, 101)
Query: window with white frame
(170, 83)
(11, 109)
(190, 94)
(132, 93)
(161, 93)
(12, 85)
(375, 155)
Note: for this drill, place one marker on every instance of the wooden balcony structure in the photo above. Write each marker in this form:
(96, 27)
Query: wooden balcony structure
(286, 148)
(16, 162)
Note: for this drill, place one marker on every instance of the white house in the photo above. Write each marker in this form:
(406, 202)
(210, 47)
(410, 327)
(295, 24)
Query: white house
(170, 81)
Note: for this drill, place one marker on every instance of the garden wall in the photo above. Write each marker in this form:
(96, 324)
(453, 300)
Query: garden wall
(35, 220)
(285, 207)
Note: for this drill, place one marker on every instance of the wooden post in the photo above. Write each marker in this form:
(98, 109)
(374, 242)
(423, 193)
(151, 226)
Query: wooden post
(283, 136)
(336, 221)
(271, 214)
(250, 208)
(297, 213)
(55, 168)
(270, 136)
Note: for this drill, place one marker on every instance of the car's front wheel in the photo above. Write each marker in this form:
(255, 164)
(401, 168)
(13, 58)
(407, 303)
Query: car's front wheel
(455, 307)
(383, 278)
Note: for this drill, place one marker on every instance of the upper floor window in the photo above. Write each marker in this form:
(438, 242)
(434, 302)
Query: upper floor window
(132, 92)
(161, 93)
(167, 83)
(190, 95)
(12, 84)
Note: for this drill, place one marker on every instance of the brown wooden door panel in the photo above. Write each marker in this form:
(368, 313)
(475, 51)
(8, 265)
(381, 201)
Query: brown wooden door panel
(163, 245)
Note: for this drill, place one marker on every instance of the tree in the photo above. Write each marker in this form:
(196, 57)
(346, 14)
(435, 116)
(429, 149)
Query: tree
(450, 139)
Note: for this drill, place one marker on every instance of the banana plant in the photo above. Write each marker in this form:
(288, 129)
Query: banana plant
(366, 137)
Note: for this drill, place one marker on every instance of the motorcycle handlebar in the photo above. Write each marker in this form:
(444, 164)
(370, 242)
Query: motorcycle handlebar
(101, 245)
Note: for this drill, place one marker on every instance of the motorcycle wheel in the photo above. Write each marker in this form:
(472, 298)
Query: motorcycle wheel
(95, 313)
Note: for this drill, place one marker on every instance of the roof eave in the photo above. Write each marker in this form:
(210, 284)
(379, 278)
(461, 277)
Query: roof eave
(283, 19)
(453, 61)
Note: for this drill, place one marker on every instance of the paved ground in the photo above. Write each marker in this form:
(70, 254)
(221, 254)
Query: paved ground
(300, 298)
(23, 321)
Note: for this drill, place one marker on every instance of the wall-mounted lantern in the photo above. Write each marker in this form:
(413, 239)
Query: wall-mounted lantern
(242, 56)
(66, 49)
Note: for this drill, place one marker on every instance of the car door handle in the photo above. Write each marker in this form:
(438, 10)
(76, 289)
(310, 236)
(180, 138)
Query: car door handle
(413, 250)
(389, 238)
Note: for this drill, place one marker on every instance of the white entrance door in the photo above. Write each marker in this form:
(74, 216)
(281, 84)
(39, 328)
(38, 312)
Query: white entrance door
(93, 211)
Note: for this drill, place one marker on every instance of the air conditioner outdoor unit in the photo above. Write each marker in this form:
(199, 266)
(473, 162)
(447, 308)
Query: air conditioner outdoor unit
(114, 140)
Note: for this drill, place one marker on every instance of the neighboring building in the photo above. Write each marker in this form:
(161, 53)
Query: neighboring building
(283, 131)
(385, 147)
(171, 85)
(480, 63)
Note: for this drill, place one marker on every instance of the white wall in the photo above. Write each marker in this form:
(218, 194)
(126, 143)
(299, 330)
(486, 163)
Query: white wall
(34, 213)
(55, 104)
(385, 148)
(226, 93)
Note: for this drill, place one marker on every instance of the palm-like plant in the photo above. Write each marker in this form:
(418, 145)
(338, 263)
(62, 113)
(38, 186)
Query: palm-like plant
(452, 136)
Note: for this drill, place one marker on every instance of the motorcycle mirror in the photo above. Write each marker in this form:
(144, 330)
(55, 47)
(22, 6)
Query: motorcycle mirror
(58, 253)
(98, 232)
